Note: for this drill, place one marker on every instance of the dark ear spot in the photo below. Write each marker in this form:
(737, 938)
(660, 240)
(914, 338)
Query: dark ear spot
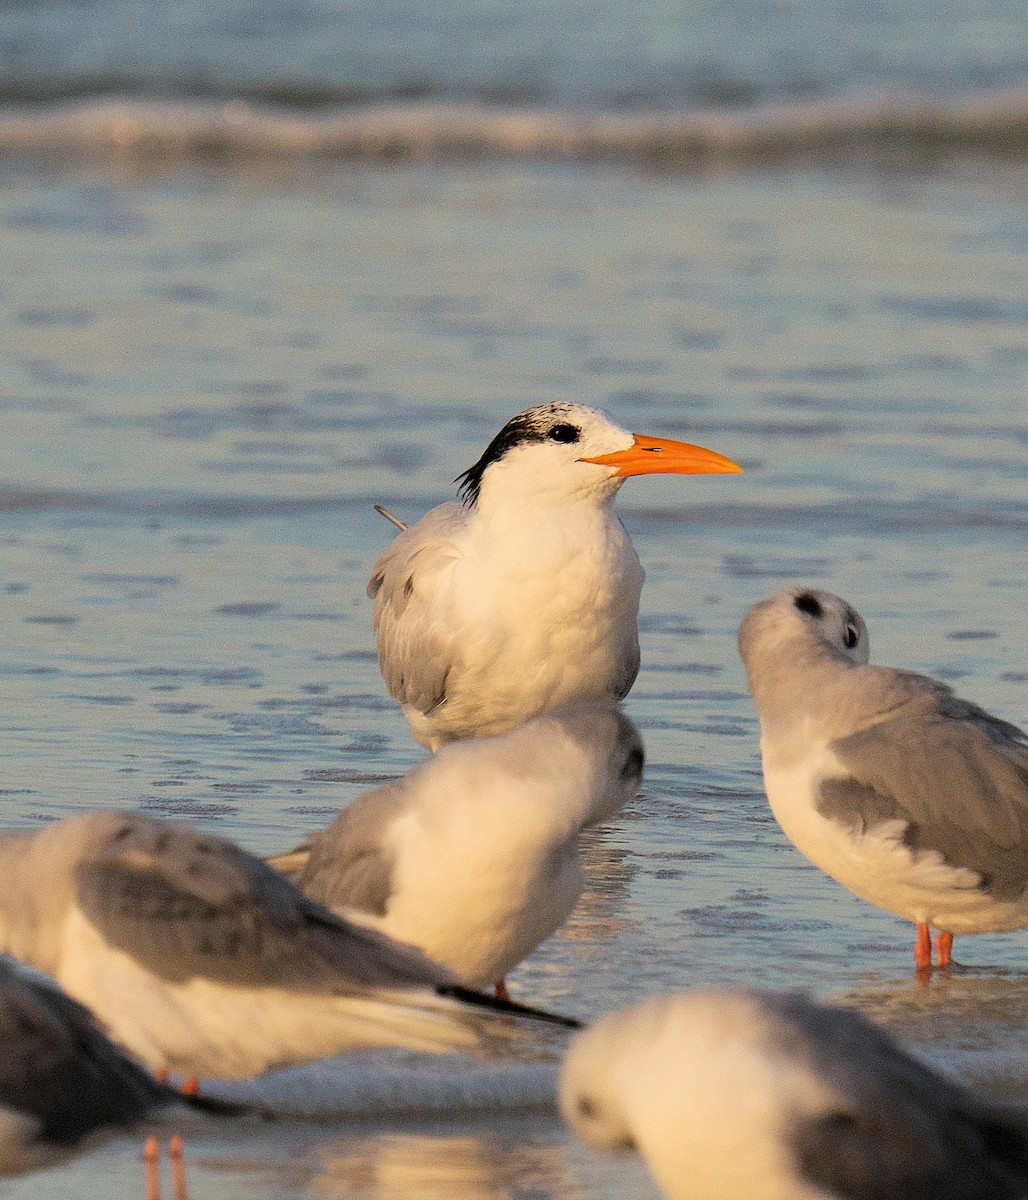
(633, 764)
(851, 637)
(807, 602)
(586, 1107)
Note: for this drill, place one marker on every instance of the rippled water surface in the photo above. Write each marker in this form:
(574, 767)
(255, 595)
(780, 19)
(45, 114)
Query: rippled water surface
(211, 378)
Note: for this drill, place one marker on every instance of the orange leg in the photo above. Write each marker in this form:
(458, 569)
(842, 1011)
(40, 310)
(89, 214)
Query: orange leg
(151, 1158)
(500, 989)
(944, 948)
(178, 1168)
(923, 948)
(191, 1087)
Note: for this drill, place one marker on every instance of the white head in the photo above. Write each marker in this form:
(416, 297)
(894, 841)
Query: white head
(697, 1083)
(567, 451)
(798, 623)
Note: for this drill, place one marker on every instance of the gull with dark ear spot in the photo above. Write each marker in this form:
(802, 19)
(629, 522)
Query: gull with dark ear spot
(737, 1095)
(200, 959)
(474, 856)
(63, 1083)
(526, 596)
(914, 799)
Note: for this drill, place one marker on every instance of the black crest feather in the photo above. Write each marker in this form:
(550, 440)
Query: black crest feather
(532, 425)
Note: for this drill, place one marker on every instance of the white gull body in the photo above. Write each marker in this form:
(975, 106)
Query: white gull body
(473, 857)
(526, 596)
(915, 800)
(199, 959)
(736, 1095)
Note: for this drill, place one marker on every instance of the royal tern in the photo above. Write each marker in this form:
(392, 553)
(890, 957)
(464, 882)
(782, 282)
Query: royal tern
(62, 1081)
(473, 857)
(200, 959)
(525, 597)
(735, 1095)
(912, 798)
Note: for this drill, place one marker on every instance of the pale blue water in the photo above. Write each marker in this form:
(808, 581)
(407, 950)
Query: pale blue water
(672, 83)
(586, 52)
(210, 378)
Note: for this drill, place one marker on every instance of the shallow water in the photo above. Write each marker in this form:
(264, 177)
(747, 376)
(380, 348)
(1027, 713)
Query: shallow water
(317, 52)
(211, 378)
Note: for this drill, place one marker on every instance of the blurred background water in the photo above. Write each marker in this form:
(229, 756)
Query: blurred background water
(236, 315)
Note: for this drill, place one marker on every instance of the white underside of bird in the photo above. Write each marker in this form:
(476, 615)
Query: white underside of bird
(494, 914)
(205, 1027)
(875, 864)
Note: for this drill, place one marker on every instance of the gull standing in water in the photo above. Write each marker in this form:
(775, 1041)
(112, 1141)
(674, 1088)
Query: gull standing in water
(200, 959)
(526, 596)
(737, 1095)
(912, 798)
(62, 1081)
(473, 857)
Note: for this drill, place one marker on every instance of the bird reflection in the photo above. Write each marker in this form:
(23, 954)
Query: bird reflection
(485, 1165)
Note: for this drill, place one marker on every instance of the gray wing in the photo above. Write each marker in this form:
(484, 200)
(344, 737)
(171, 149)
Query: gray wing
(898, 1131)
(186, 904)
(956, 774)
(58, 1067)
(414, 616)
(349, 865)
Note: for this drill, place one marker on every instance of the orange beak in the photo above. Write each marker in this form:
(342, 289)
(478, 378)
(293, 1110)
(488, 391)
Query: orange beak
(661, 456)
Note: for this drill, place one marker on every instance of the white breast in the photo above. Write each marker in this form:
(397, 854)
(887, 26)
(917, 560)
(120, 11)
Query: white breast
(544, 620)
(875, 864)
(481, 902)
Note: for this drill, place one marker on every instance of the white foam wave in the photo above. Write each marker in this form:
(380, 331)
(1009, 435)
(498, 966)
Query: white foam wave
(996, 122)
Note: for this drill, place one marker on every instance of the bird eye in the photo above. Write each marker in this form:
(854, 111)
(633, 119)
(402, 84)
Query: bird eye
(564, 433)
(586, 1107)
(851, 636)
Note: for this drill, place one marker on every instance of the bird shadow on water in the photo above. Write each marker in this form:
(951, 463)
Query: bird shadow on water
(969, 1021)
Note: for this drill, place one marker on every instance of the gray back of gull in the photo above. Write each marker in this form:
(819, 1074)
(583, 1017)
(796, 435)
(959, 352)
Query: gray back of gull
(185, 904)
(898, 1130)
(349, 865)
(957, 775)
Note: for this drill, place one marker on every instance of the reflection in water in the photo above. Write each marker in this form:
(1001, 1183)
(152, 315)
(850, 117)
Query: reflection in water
(972, 1021)
(521, 1160)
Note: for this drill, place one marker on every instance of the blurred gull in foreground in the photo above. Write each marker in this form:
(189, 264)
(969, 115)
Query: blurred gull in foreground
(200, 959)
(526, 596)
(473, 857)
(62, 1082)
(912, 798)
(751, 1096)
